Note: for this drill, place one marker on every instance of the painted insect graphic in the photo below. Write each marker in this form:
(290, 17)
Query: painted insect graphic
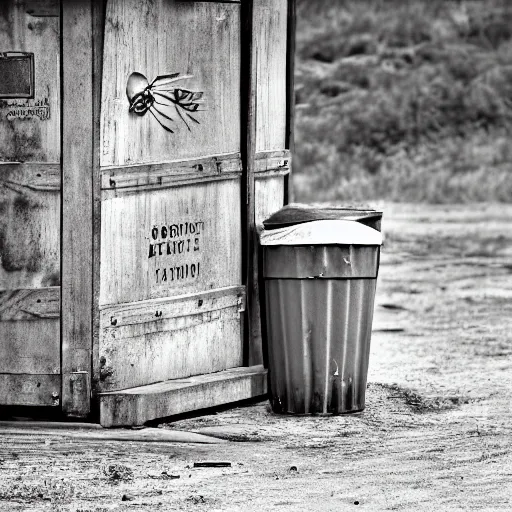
(161, 94)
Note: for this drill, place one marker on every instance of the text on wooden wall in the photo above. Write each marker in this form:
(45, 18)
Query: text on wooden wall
(176, 241)
(27, 109)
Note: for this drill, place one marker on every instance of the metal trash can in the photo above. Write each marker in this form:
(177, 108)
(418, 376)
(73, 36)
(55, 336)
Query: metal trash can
(319, 280)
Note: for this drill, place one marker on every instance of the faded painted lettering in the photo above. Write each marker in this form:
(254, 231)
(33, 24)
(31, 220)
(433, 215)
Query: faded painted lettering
(178, 273)
(26, 109)
(178, 246)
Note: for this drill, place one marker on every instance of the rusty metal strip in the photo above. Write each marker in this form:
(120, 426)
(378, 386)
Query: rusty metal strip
(155, 310)
(171, 174)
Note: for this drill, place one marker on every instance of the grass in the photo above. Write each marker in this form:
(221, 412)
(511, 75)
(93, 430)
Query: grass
(403, 100)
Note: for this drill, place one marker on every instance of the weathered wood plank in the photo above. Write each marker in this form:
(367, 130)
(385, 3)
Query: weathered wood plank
(30, 128)
(169, 182)
(270, 32)
(248, 122)
(98, 32)
(272, 160)
(77, 175)
(140, 354)
(29, 237)
(30, 213)
(76, 386)
(30, 304)
(42, 426)
(158, 244)
(39, 176)
(23, 389)
(192, 38)
(170, 323)
(272, 163)
(80, 432)
(169, 174)
(136, 406)
(269, 192)
(41, 8)
(270, 198)
(30, 347)
(157, 310)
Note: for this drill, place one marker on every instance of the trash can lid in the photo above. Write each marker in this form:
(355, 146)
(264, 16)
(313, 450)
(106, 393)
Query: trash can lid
(322, 232)
(296, 213)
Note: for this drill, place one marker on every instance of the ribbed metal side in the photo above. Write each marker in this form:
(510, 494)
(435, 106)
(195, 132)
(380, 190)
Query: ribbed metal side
(319, 341)
(324, 262)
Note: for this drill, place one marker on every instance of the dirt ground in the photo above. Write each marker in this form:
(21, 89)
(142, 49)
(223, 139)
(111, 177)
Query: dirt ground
(436, 433)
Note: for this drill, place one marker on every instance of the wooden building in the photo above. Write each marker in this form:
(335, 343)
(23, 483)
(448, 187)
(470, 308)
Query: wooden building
(129, 197)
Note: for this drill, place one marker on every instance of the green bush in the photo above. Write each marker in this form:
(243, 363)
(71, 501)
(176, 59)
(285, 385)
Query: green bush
(377, 79)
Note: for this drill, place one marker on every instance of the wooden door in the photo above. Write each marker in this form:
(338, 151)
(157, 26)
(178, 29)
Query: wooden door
(30, 177)
(171, 295)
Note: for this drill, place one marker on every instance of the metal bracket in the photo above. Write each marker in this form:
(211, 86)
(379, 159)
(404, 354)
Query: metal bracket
(17, 71)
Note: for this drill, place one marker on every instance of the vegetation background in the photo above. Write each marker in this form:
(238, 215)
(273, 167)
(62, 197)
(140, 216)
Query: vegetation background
(403, 100)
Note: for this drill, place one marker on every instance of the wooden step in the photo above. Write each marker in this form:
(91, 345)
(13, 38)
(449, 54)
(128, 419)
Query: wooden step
(136, 406)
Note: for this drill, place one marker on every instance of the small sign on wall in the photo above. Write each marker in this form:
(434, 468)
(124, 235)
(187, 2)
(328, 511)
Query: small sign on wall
(17, 75)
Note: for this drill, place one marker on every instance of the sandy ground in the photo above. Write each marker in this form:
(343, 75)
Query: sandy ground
(436, 433)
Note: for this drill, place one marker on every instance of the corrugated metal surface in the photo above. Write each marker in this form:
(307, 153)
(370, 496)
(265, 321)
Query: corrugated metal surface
(319, 339)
